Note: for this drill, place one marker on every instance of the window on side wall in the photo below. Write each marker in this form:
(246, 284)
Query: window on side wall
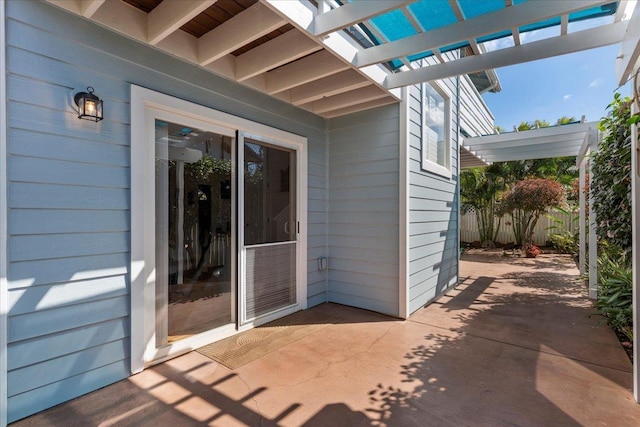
(436, 125)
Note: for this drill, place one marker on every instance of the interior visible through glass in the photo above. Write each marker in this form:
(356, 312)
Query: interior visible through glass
(434, 144)
(194, 227)
(269, 194)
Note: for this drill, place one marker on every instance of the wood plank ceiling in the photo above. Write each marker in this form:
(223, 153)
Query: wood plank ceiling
(246, 41)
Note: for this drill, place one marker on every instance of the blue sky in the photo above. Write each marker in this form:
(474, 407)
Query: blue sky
(573, 85)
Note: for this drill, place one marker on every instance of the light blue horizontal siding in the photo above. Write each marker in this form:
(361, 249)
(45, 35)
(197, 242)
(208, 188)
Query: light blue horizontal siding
(25, 404)
(363, 214)
(61, 270)
(52, 221)
(37, 298)
(433, 211)
(475, 117)
(69, 195)
(44, 322)
(29, 352)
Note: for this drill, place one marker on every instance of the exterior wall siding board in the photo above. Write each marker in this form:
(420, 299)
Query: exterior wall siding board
(29, 352)
(433, 222)
(475, 117)
(63, 318)
(39, 144)
(68, 195)
(25, 404)
(36, 298)
(347, 298)
(61, 270)
(363, 209)
(41, 374)
(52, 221)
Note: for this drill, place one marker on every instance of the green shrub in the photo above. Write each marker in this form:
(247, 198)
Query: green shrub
(615, 282)
(563, 240)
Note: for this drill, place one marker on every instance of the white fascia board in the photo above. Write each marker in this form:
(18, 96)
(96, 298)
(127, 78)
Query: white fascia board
(353, 13)
(506, 18)
(557, 143)
(542, 153)
(628, 59)
(531, 134)
(169, 16)
(555, 46)
(549, 141)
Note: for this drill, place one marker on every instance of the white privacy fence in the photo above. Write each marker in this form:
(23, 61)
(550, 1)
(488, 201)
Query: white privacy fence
(469, 227)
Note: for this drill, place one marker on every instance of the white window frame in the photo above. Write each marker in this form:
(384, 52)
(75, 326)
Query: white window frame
(426, 164)
(144, 103)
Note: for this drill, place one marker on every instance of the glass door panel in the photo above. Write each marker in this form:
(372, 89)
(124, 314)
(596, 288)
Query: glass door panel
(269, 228)
(195, 292)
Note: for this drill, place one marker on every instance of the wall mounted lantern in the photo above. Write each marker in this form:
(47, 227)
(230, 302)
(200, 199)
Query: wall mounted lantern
(89, 105)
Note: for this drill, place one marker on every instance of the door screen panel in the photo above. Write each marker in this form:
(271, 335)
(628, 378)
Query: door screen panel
(270, 278)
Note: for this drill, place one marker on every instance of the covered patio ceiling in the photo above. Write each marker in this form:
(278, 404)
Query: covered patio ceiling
(335, 57)
(554, 141)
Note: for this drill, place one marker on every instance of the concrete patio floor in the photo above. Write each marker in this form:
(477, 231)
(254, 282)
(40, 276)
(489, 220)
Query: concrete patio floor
(513, 345)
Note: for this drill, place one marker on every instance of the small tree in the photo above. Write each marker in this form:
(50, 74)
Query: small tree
(528, 200)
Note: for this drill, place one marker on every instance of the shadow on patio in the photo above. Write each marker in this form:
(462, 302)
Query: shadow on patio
(513, 345)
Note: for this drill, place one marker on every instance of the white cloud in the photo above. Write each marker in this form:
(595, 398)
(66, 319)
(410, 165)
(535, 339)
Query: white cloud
(498, 44)
(566, 97)
(596, 83)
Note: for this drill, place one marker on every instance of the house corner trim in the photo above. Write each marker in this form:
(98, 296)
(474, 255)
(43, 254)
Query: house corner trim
(4, 291)
(403, 208)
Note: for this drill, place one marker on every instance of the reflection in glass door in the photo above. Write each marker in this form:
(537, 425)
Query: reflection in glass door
(195, 292)
(269, 228)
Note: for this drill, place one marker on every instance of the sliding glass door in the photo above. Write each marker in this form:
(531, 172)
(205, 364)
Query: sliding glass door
(217, 226)
(195, 287)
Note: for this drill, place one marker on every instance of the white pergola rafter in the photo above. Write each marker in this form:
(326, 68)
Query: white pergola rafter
(353, 13)
(470, 29)
(547, 48)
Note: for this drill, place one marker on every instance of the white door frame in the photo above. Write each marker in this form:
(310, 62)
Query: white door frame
(145, 106)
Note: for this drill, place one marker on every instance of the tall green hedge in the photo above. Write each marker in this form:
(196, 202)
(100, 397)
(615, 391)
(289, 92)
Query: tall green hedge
(611, 176)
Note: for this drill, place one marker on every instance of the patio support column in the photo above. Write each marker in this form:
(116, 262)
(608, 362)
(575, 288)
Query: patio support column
(582, 223)
(593, 240)
(635, 192)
